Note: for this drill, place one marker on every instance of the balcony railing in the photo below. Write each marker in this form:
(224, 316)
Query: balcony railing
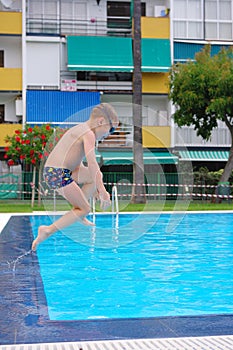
(187, 136)
(105, 85)
(62, 27)
(122, 137)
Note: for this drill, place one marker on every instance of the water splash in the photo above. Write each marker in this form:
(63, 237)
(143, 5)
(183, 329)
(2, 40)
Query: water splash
(14, 262)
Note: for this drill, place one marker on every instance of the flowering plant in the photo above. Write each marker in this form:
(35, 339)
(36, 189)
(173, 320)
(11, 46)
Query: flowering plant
(28, 145)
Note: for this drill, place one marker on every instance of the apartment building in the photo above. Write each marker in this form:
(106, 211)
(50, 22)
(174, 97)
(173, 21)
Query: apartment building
(58, 58)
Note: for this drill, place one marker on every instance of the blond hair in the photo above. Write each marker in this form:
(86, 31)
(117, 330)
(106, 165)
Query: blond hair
(106, 110)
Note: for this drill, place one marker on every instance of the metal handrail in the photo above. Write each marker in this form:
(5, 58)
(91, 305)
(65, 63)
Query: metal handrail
(115, 200)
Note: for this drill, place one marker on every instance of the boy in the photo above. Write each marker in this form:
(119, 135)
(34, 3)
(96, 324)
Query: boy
(64, 169)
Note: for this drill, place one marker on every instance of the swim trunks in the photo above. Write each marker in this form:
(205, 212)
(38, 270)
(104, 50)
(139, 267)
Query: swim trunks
(57, 177)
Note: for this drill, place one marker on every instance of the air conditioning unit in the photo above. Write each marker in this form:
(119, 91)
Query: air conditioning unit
(19, 107)
(159, 11)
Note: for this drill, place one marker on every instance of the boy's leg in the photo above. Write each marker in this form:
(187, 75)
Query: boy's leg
(81, 208)
(82, 176)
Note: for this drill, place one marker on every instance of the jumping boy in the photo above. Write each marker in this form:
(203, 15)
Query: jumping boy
(64, 170)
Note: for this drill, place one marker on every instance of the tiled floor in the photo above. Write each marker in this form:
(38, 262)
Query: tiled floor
(198, 343)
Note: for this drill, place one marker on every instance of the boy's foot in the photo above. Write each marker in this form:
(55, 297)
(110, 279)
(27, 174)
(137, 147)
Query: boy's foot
(43, 234)
(86, 222)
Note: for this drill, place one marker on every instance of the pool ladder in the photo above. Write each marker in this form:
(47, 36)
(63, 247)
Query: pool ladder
(114, 201)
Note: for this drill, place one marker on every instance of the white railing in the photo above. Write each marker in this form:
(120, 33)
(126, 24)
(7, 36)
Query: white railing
(104, 85)
(120, 138)
(187, 136)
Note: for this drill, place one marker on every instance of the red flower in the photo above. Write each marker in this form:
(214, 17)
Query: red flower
(47, 127)
(5, 156)
(33, 161)
(43, 137)
(27, 142)
(10, 162)
(6, 149)
(18, 149)
(22, 156)
(40, 156)
(30, 129)
(46, 154)
(17, 132)
(17, 139)
(31, 152)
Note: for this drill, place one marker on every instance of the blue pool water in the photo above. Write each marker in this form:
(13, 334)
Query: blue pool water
(157, 272)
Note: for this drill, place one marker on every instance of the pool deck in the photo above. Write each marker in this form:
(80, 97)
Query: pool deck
(197, 343)
(26, 325)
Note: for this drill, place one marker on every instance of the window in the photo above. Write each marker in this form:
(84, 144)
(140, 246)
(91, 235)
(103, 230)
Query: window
(119, 14)
(43, 16)
(218, 19)
(2, 114)
(1, 58)
(188, 19)
(203, 19)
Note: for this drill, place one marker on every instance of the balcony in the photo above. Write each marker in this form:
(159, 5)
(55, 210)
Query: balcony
(10, 79)
(186, 136)
(106, 86)
(7, 129)
(11, 23)
(155, 27)
(63, 27)
(94, 81)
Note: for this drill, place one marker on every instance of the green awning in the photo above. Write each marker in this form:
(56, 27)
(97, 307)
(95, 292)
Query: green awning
(126, 158)
(115, 54)
(156, 55)
(96, 53)
(207, 156)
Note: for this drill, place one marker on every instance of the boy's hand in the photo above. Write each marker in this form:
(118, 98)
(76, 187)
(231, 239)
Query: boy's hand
(105, 201)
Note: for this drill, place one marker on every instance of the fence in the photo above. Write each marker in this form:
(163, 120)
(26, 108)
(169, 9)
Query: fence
(157, 186)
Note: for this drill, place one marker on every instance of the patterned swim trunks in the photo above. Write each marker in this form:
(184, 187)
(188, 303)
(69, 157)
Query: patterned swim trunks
(57, 177)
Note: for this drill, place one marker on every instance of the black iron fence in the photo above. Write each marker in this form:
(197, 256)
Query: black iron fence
(93, 26)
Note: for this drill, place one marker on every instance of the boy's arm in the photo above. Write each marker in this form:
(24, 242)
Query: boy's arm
(95, 172)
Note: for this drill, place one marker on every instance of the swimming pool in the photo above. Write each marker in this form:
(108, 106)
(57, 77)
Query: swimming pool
(28, 315)
(188, 271)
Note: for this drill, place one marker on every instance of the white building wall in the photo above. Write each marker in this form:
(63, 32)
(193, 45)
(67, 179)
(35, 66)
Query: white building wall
(12, 47)
(15, 5)
(154, 109)
(8, 99)
(97, 11)
(151, 4)
(43, 63)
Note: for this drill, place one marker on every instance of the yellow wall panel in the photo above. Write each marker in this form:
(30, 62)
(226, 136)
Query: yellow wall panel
(155, 83)
(7, 129)
(10, 79)
(11, 23)
(156, 136)
(155, 27)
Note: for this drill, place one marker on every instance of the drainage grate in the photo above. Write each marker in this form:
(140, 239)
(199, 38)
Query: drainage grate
(197, 343)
